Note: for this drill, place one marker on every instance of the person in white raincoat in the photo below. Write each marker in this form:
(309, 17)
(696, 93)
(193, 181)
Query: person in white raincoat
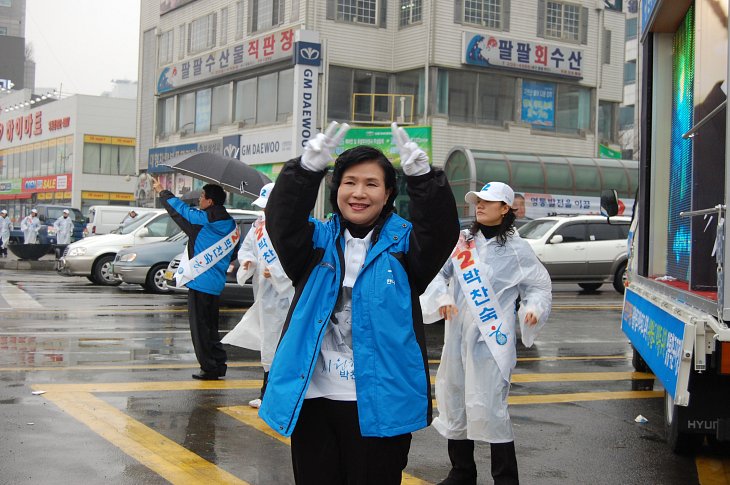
(30, 226)
(490, 268)
(6, 225)
(260, 328)
(64, 227)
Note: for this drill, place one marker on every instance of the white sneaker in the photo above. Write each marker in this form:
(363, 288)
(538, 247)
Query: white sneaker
(256, 403)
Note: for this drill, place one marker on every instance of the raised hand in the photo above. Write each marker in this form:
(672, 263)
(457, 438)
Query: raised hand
(318, 151)
(413, 159)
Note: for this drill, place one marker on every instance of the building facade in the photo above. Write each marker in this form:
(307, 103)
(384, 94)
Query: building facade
(228, 75)
(16, 71)
(77, 151)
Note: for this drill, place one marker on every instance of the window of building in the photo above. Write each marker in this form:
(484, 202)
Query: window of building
(224, 26)
(607, 121)
(107, 159)
(240, 19)
(181, 42)
(201, 33)
(411, 84)
(479, 98)
(339, 94)
(164, 54)
(202, 110)
(572, 110)
(221, 106)
(6, 3)
(487, 13)
(186, 113)
(245, 101)
(264, 14)
(562, 21)
(631, 28)
(411, 12)
(166, 116)
(285, 98)
(630, 72)
(626, 117)
(357, 11)
(606, 46)
(265, 99)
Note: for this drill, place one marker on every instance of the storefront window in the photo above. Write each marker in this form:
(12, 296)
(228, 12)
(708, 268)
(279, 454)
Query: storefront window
(186, 112)
(202, 111)
(339, 95)
(286, 95)
(221, 109)
(165, 116)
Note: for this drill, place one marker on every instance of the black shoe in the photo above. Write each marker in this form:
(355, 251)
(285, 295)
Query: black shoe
(206, 376)
(222, 370)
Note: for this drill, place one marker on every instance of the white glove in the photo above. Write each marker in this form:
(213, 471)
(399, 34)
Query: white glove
(413, 160)
(317, 154)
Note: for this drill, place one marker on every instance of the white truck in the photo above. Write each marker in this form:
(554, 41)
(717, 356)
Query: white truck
(677, 299)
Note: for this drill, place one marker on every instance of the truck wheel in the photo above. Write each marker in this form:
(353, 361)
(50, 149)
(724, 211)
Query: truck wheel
(590, 286)
(103, 271)
(638, 362)
(681, 443)
(619, 278)
(155, 282)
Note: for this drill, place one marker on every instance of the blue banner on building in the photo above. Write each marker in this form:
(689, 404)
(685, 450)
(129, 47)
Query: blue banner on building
(538, 103)
(656, 335)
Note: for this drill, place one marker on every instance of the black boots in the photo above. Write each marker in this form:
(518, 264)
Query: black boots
(464, 469)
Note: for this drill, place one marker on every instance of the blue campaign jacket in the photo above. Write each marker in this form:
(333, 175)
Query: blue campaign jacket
(204, 228)
(391, 366)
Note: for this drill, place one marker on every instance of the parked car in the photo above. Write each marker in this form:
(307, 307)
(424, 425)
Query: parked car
(47, 214)
(233, 293)
(587, 250)
(93, 256)
(146, 265)
(105, 219)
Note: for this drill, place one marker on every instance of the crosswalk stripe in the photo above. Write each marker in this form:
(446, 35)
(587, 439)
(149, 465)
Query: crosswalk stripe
(18, 299)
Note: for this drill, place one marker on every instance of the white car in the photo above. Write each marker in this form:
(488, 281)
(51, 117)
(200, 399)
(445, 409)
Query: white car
(587, 250)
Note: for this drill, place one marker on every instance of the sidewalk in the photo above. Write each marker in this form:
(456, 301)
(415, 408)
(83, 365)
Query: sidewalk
(45, 263)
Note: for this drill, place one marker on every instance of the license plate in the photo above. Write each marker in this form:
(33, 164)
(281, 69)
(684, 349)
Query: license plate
(168, 275)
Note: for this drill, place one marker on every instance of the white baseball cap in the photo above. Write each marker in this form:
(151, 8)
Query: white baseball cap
(65, 211)
(493, 191)
(3, 211)
(34, 210)
(264, 195)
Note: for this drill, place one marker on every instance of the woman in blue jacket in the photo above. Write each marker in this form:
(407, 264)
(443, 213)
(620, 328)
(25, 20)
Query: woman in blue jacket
(350, 381)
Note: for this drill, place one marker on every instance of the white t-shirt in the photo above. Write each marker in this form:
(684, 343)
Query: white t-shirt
(334, 374)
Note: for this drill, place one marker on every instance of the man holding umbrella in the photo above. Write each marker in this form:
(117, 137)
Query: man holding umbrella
(213, 237)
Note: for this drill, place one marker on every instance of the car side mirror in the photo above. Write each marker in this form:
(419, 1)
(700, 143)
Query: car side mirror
(556, 239)
(144, 232)
(609, 203)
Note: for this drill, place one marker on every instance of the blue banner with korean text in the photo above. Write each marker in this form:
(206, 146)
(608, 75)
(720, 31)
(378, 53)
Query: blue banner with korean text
(538, 103)
(656, 335)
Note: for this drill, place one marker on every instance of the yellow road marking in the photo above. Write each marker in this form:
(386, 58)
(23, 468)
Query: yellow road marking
(249, 417)
(713, 471)
(160, 454)
(581, 376)
(555, 357)
(583, 396)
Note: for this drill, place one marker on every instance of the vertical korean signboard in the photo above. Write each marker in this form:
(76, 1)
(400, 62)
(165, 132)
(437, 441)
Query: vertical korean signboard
(308, 61)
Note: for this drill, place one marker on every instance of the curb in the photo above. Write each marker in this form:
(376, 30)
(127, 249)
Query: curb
(39, 265)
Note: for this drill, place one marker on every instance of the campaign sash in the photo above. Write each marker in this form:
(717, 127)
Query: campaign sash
(482, 301)
(206, 259)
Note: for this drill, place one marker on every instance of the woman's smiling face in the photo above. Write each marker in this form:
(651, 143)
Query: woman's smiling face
(362, 195)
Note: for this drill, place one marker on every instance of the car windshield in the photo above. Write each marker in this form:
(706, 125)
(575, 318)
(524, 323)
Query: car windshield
(134, 225)
(536, 229)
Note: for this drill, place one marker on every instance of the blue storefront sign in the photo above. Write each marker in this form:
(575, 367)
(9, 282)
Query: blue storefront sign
(657, 336)
(538, 103)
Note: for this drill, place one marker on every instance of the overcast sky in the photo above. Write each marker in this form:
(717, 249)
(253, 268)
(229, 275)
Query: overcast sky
(83, 44)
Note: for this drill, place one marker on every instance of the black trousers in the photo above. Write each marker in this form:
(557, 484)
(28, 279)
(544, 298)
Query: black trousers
(328, 449)
(203, 317)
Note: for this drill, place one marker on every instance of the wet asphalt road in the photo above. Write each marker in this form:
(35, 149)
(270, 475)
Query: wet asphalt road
(120, 405)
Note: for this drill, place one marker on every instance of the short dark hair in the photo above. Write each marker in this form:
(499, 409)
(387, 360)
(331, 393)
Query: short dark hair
(215, 193)
(355, 156)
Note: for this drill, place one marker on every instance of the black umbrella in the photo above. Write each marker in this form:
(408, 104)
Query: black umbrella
(232, 174)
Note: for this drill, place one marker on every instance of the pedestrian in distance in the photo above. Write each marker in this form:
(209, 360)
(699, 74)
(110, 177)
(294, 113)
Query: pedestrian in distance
(212, 240)
(350, 381)
(6, 225)
(489, 269)
(30, 225)
(129, 218)
(260, 327)
(64, 227)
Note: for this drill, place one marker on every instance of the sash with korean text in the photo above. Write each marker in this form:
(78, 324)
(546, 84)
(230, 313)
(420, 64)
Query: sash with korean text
(190, 269)
(481, 299)
(263, 244)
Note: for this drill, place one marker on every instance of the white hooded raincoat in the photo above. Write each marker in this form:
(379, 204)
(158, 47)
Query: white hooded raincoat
(471, 391)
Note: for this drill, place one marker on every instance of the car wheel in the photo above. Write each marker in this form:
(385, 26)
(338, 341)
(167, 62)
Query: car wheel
(155, 281)
(619, 278)
(103, 271)
(679, 442)
(590, 286)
